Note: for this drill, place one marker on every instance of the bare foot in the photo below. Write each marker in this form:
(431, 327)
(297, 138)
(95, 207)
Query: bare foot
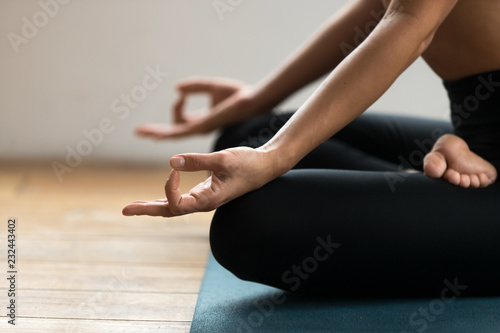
(452, 160)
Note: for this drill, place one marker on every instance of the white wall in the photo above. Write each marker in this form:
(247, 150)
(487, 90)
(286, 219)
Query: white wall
(65, 77)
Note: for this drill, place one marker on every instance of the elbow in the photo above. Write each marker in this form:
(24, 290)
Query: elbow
(424, 44)
(418, 36)
(419, 48)
(420, 28)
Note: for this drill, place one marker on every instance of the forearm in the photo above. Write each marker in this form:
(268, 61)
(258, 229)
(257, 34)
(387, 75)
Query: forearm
(321, 53)
(318, 56)
(350, 89)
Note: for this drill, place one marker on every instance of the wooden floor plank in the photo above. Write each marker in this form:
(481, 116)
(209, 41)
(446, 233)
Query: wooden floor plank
(107, 304)
(93, 201)
(49, 325)
(11, 181)
(83, 267)
(61, 276)
(32, 228)
(112, 250)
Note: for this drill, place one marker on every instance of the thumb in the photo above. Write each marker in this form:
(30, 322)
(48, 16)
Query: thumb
(197, 162)
(178, 116)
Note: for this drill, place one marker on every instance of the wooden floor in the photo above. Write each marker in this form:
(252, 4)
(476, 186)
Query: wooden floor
(83, 267)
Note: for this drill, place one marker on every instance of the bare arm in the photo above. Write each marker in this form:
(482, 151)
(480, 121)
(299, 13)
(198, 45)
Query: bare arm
(359, 80)
(317, 56)
(400, 38)
(321, 53)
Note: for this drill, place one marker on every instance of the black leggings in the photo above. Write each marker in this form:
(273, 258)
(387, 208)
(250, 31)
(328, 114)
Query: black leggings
(347, 221)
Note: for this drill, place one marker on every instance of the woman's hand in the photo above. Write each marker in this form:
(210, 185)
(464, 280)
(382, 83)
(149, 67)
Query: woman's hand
(226, 96)
(234, 172)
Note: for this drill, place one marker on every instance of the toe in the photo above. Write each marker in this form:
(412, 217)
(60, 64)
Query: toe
(474, 181)
(492, 175)
(434, 165)
(452, 177)
(465, 180)
(484, 180)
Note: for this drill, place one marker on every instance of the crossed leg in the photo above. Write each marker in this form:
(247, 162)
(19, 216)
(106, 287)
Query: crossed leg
(336, 225)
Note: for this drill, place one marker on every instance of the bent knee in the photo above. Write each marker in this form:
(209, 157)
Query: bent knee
(229, 240)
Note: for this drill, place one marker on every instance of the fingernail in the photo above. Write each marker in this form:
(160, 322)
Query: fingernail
(177, 162)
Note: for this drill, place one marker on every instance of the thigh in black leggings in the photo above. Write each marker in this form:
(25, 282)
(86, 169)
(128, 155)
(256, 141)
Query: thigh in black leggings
(371, 142)
(348, 222)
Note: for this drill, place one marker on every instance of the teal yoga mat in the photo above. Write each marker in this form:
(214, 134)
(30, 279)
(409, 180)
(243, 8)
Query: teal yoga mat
(228, 304)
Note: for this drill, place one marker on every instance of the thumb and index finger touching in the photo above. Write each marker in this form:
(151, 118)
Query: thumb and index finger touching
(182, 204)
(191, 162)
(185, 88)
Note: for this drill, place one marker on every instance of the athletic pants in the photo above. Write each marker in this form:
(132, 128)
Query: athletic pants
(349, 221)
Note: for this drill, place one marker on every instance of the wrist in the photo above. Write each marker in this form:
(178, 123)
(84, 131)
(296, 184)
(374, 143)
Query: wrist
(277, 160)
(244, 104)
(264, 99)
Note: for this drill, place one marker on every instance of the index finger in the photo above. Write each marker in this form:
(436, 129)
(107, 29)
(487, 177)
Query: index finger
(195, 86)
(158, 207)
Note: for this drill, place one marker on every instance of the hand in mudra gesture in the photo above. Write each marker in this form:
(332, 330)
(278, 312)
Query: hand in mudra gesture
(233, 172)
(226, 96)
